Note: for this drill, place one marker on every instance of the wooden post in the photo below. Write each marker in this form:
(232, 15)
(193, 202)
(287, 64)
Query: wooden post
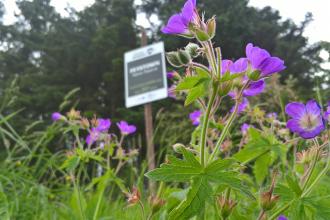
(148, 126)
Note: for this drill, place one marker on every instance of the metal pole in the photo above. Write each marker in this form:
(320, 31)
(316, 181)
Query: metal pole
(148, 126)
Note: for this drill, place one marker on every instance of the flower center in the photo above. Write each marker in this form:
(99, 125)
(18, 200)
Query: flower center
(309, 121)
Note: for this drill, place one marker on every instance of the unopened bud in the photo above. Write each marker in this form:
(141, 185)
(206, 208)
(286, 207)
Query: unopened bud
(211, 27)
(84, 123)
(184, 57)
(193, 50)
(227, 206)
(178, 147)
(173, 59)
(73, 114)
(156, 204)
(268, 201)
(201, 35)
(133, 197)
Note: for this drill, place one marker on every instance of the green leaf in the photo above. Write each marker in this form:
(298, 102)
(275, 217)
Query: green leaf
(261, 167)
(194, 94)
(293, 184)
(177, 170)
(202, 72)
(188, 82)
(71, 163)
(199, 192)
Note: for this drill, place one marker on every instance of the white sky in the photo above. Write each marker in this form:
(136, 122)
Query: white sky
(318, 30)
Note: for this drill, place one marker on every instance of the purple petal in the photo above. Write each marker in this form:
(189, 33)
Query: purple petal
(271, 65)
(239, 66)
(103, 125)
(295, 109)
(188, 12)
(56, 116)
(282, 217)
(175, 25)
(256, 55)
(313, 107)
(195, 117)
(255, 88)
(313, 133)
(225, 66)
(294, 125)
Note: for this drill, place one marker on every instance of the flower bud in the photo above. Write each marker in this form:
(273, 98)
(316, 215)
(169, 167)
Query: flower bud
(173, 59)
(254, 75)
(202, 35)
(227, 206)
(73, 114)
(268, 201)
(184, 57)
(211, 27)
(156, 204)
(193, 50)
(177, 147)
(225, 88)
(133, 197)
(84, 123)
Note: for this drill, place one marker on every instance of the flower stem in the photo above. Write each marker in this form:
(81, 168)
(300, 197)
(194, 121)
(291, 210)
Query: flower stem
(206, 124)
(228, 124)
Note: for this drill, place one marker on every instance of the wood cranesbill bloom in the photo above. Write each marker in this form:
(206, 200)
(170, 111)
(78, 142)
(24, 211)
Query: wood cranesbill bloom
(125, 128)
(242, 106)
(306, 120)
(179, 23)
(103, 125)
(93, 136)
(195, 117)
(245, 127)
(171, 91)
(255, 88)
(260, 60)
(56, 116)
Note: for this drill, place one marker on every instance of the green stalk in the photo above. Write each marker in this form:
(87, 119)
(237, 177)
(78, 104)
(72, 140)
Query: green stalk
(228, 124)
(206, 124)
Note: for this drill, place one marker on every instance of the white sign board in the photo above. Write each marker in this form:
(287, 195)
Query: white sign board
(145, 75)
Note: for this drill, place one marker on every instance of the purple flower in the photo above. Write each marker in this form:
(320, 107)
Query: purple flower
(262, 61)
(225, 66)
(195, 117)
(125, 128)
(179, 23)
(103, 125)
(255, 88)
(171, 91)
(56, 116)
(170, 75)
(238, 66)
(306, 120)
(272, 115)
(282, 217)
(93, 136)
(245, 127)
(242, 106)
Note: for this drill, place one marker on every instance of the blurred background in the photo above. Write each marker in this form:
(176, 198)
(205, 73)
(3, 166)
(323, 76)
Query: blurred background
(50, 47)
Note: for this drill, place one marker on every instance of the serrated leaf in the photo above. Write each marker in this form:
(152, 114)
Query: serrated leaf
(199, 192)
(177, 170)
(261, 166)
(293, 184)
(194, 94)
(202, 72)
(188, 82)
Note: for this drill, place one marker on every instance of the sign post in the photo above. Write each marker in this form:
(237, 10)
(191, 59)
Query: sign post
(145, 82)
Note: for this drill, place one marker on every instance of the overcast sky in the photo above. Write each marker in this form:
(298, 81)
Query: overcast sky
(318, 30)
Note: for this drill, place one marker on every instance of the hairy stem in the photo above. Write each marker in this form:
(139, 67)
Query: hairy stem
(206, 124)
(228, 123)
